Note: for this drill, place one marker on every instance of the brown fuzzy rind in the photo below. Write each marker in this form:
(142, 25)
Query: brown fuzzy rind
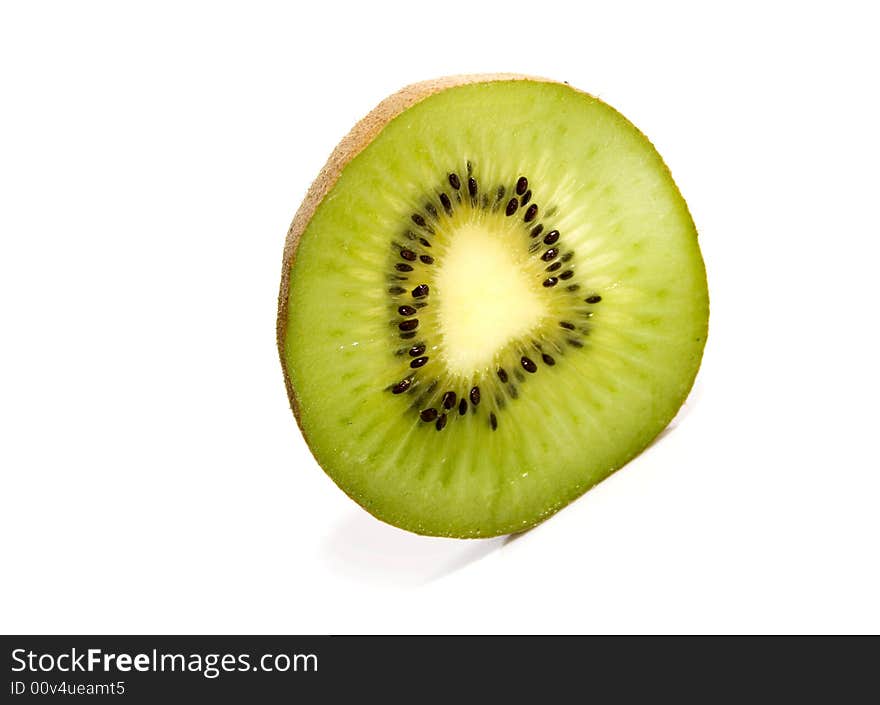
(351, 145)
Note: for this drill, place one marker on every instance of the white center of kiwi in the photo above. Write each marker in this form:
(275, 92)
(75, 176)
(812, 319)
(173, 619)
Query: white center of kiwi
(486, 296)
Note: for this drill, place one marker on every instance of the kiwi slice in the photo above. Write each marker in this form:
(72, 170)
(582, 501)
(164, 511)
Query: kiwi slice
(491, 299)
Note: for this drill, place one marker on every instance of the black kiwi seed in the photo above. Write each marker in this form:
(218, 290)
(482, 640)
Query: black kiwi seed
(567, 274)
(409, 335)
(470, 167)
(566, 325)
(522, 183)
(512, 205)
(472, 187)
(418, 362)
(424, 242)
(462, 407)
(573, 287)
(499, 194)
(553, 267)
(447, 204)
(502, 374)
(475, 395)
(396, 290)
(493, 422)
(401, 267)
(531, 212)
(550, 254)
(430, 208)
(427, 259)
(449, 400)
(406, 310)
(441, 422)
(594, 299)
(528, 365)
(418, 219)
(401, 386)
(428, 414)
(575, 343)
(526, 198)
(549, 281)
(454, 182)
(417, 350)
(537, 230)
(420, 292)
(409, 324)
(551, 237)
(548, 360)
(408, 255)
(567, 256)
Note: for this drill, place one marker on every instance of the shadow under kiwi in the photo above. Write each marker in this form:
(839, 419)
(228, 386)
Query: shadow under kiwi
(364, 548)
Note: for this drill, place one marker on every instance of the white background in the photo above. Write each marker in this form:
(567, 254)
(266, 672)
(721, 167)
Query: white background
(153, 478)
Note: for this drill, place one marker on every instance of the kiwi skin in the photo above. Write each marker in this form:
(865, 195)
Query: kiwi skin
(360, 136)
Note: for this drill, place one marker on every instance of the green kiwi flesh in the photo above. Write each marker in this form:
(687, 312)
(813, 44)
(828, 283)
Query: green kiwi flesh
(492, 298)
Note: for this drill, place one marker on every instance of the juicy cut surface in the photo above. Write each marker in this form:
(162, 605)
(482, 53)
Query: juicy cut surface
(499, 303)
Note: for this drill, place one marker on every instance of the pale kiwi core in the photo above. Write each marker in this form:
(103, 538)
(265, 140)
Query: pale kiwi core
(480, 266)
